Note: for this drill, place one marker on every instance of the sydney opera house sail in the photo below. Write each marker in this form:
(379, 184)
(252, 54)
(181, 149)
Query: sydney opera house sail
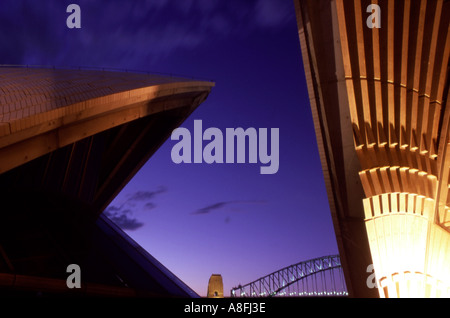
(377, 74)
(70, 140)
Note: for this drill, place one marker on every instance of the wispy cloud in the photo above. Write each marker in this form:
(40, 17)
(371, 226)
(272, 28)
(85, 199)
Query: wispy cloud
(122, 214)
(113, 33)
(272, 13)
(123, 220)
(149, 206)
(219, 205)
(145, 195)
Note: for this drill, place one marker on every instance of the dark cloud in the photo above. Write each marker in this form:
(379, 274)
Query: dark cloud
(219, 205)
(149, 206)
(272, 13)
(121, 218)
(125, 222)
(121, 214)
(145, 195)
(115, 34)
(112, 209)
(211, 207)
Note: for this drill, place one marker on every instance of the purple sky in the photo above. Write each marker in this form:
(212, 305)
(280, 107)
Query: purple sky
(200, 219)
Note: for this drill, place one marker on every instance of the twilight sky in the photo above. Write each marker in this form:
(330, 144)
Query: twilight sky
(200, 219)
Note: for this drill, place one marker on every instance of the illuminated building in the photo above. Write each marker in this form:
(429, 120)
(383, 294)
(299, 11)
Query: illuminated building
(379, 99)
(215, 286)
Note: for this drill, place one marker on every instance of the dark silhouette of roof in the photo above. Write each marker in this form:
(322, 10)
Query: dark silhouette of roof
(70, 140)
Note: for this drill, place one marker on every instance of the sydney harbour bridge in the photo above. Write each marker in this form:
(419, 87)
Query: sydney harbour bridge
(318, 277)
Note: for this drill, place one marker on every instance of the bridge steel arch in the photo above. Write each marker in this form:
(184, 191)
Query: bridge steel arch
(322, 276)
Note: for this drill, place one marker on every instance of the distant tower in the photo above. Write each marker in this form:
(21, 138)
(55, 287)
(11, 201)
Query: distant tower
(215, 286)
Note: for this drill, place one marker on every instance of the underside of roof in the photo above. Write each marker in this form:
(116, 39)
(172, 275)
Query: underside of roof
(70, 140)
(379, 99)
